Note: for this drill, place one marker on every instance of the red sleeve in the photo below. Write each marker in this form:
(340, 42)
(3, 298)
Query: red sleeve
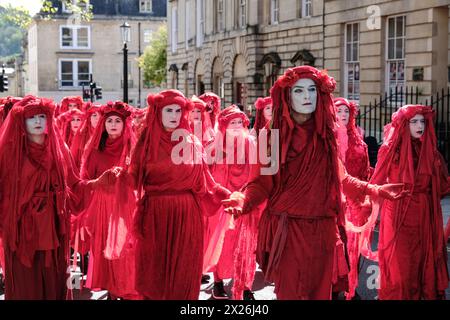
(257, 190)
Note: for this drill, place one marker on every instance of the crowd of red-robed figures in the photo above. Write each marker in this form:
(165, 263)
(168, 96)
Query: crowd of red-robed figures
(97, 186)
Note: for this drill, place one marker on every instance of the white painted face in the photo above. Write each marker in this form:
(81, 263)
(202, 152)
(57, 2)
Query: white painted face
(195, 115)
(36, 124)
(417, 126)
(304, 96)
(75, 123)
(343, 115)
(171, 116)
(235, 127)
(95, 117)
(268, 112)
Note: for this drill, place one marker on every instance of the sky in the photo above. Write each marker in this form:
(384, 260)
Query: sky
(32, 5)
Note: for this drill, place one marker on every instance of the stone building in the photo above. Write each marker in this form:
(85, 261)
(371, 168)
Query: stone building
(64, 51)
(237, 48)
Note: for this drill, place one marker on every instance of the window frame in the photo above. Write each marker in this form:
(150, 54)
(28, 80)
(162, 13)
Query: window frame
(147, 2)
(74, 29)
(397, 61)
(274, 12)
(306, 4)
(75, 75)
(353, 62)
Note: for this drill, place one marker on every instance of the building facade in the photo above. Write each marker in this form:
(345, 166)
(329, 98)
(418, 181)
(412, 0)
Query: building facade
(238, 48)
(63, 52)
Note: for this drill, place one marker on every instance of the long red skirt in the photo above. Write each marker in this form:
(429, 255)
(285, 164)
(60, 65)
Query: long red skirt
(45, 280)
(305, 269)
(169, 257)
(115, 274)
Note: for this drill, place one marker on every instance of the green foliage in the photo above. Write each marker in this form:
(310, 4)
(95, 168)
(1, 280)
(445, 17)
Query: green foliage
(153, 61)
(13, 24)
(80, 9)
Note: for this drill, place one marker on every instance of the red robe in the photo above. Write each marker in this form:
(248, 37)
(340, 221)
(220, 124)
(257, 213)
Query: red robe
(108, 223)
(298, 230)
(411, 265)
(170, 253)
(37, 268)
(233, 177)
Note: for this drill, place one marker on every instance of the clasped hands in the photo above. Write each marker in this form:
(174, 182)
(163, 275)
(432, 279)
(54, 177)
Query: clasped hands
(234, 204)
(108, 179)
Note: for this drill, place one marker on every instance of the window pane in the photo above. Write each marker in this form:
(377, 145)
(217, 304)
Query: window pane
(392, 71)
(349, 33)
(66, 74)
(355, 32)
(83, 73)
(67, 37)
(401, 71)
(349, 52)
(399, 48)
(391, 49)
(82, 35)
(354, 52)
(391, 26)
(400, 31)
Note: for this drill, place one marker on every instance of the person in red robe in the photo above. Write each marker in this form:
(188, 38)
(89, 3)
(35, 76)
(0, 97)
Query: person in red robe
(38, 190)
(232, 173)
(298, 230)
(412, 251)
(69, 103)
(171, 187)
(70, 122)
(138, 116)
(200, 122)
(213, 106)
(263, 114)
(108, 217)
(353, 154)
(90, 120)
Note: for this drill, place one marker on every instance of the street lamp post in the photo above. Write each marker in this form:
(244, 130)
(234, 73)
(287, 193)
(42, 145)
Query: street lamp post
(125, 31)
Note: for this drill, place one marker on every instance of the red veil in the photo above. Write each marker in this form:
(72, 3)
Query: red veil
(116, 239)
(213, 103)
(261, 104)
(207, 127)
(356, 157)
(65, 127)
(64, 105)
(14, 147)
(85, 132)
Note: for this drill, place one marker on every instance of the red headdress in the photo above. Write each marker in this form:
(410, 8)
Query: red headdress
(154, 134)
(64, 105)
(324, 124)
(324, 115)
(261, 104)
(65, 124)
(207, 127)
(5, 106)
(352, 143)
(14, 147)
(213, 103)
(230, 113)
(127, 138)
(85, 132)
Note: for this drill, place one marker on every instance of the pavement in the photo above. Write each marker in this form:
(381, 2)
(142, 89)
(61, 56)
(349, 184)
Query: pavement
(367, 288)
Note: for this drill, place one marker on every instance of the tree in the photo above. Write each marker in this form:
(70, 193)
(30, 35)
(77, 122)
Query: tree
(153, 61)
